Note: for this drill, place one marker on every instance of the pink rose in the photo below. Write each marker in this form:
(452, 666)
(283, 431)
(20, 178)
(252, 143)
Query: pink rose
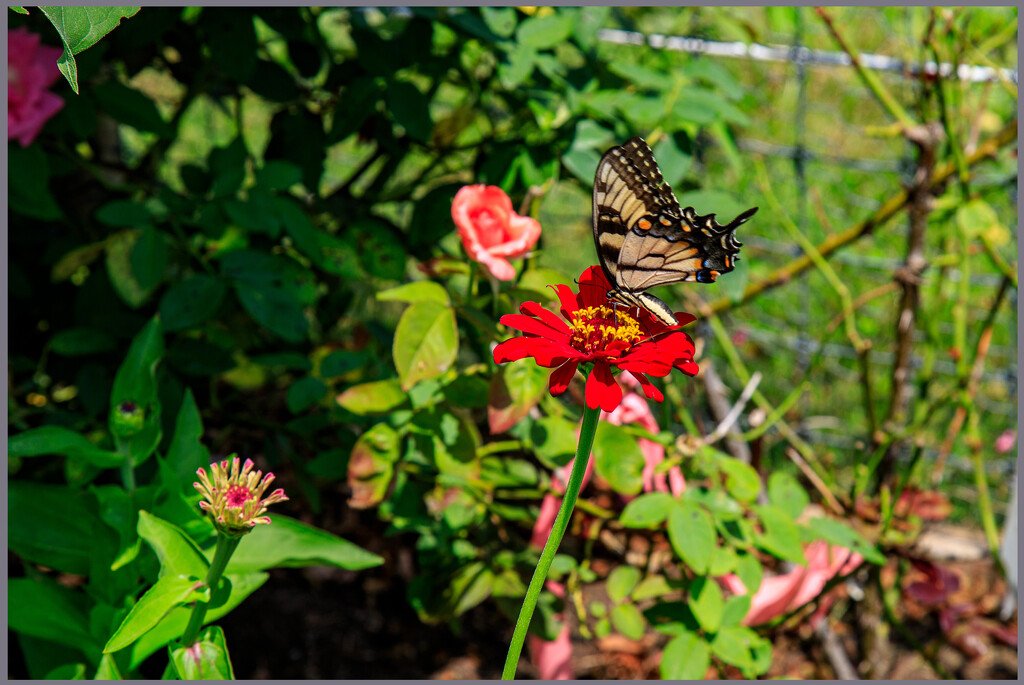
(33, 69)
(491, 232)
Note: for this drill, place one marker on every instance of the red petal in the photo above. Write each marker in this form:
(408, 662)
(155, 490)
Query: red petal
(561, 376)
(548, 353)
(602, 390)
(567, 299)
(652, 392)
(595, 275)
(594, 287)
(684, 318)
(528, 324)
(534, 309)
(689, 368)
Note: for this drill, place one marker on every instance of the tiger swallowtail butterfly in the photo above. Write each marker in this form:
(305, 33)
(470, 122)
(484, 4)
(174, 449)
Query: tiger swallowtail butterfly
(644, 239)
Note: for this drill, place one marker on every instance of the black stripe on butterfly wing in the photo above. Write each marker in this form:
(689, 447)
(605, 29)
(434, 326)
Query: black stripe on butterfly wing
(624, 191)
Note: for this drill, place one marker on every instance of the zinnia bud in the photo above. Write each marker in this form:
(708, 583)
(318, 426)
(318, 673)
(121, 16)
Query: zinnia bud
(128, 419)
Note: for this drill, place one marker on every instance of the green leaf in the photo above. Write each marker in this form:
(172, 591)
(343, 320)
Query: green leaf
(278, 174)
(426, 342)
(786, 493)
(274, 308)
(838, 533)
(59, 440)
(287, 543)
(80, 28)
(371, 466)
(617, 457)
(741, 480)
(420, 291)
(206, 660)
(377, 397)
(521, 61)
(304, 393)
(131, 107)
(738, 646)
(168, 592)
(29, 189)
(723, 560)
(327, 251)
(554, 440)
(582, 163)
(108, 669)
(648, 510)
(119, 248)
(190, 302)
(187, 453)
(178, 555)
(621, 582)
(686, 657)
(255, 215)
(340, 362)
(628, 620)
(749, 570)
(735, 609)
(543, 33)
(651, 586)
(149, 258)
(51, 525)
(49, 611)
(692, 533)
(228, 596)
(77, 342)
(19, 10)
(514, 391)
(124, 214)
(977, 217)
(410, 109)
(118, 510)
(707, 603)
(781, 536)
(501, 20)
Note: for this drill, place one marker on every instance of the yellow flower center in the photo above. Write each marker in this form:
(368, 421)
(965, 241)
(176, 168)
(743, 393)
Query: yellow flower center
(594, 328)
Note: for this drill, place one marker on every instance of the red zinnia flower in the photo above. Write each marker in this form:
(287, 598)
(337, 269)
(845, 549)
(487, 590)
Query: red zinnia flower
(601, 333)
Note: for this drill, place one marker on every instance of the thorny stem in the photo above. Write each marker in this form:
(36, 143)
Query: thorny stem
(540, 573)
(920, 195)
(886, 211)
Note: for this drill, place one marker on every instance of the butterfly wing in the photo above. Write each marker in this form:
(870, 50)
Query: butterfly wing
(627, 187)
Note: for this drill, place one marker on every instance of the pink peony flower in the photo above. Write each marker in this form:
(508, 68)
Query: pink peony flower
(491, 232)
(33, 69)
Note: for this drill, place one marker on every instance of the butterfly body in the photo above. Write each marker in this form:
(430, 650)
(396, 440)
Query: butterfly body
(645, 239)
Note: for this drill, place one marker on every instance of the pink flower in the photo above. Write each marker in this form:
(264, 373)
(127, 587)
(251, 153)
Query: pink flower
(233, 495)
(33, 69)
(1005, 442)
(780, 594)
(491, 232)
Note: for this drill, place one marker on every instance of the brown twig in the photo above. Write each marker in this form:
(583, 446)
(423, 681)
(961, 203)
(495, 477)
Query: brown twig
(920, 194)
(889, 209)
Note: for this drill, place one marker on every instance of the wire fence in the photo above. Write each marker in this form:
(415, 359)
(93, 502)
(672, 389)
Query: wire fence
(802, 345)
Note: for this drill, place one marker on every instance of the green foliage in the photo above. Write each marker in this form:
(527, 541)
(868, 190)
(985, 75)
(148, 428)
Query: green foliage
(238, 237)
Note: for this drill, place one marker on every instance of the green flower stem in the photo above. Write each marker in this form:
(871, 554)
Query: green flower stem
(226, 546)
(540, 574)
